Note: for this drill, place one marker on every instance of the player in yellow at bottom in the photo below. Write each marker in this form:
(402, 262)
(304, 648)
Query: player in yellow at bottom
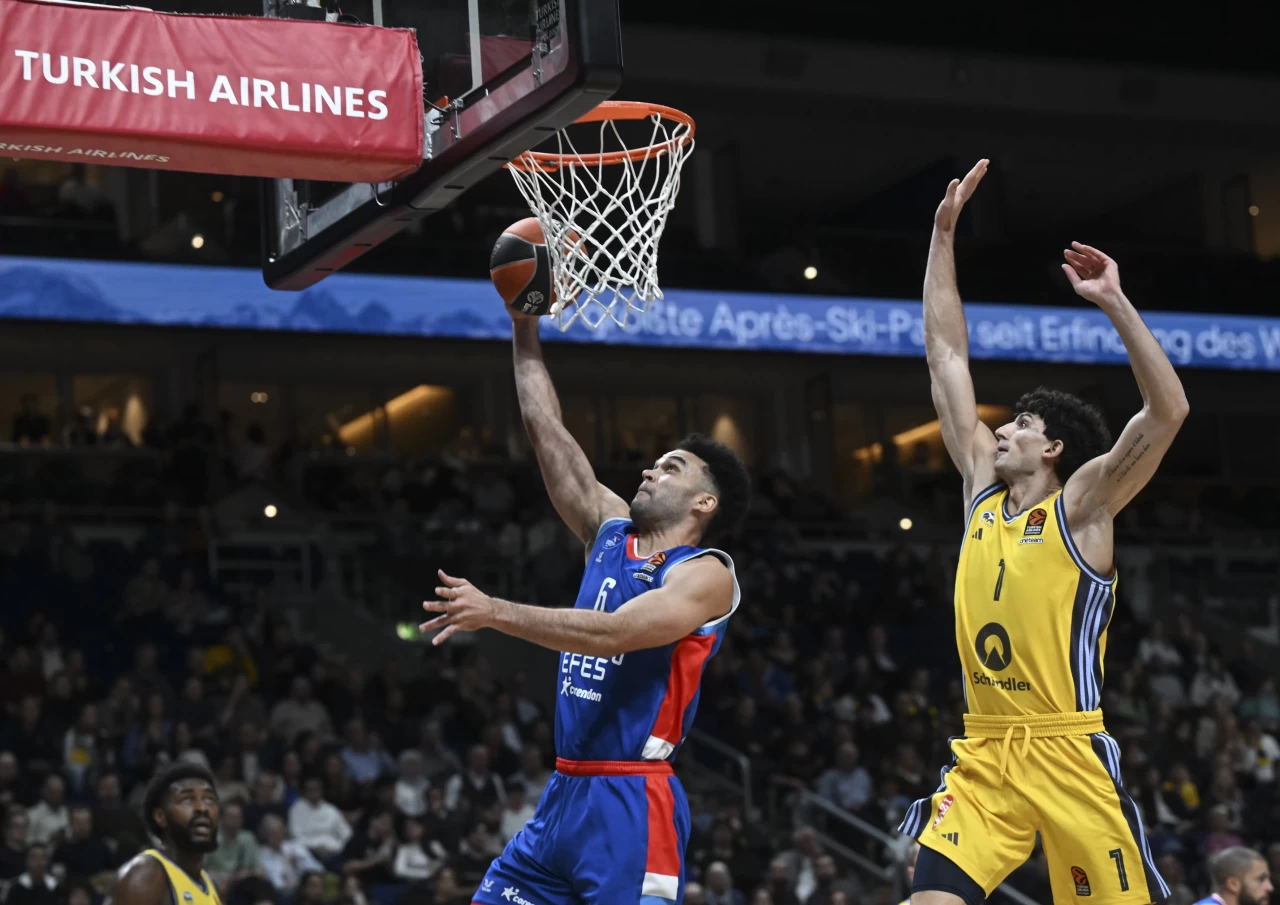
(1035, 590)
(181, 810)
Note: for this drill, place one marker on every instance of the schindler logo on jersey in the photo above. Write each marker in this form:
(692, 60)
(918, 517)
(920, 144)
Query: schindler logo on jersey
(995, 652)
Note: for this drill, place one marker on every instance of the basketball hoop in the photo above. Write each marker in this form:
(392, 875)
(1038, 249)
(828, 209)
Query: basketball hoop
(603, 212)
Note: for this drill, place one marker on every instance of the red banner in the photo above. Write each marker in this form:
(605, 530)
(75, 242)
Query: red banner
(209, 94)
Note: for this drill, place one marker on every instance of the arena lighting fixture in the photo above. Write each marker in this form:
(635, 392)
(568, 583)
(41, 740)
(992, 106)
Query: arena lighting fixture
(811, 272)
(217, 197)
(905, 524)
(197, 241)
(1253, 210)
(270, 511)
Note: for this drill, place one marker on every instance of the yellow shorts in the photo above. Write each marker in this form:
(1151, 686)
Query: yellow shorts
(1056, 774)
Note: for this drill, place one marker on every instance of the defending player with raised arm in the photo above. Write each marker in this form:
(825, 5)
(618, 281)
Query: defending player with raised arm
(1056, 439)
(613, 822)
(181, 811)
(1035, 593)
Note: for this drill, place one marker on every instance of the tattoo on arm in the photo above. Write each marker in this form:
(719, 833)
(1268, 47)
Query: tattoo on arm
(1137, 449)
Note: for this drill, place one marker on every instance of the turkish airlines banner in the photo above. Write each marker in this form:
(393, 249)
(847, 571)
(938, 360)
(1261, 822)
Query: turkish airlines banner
(210, 94)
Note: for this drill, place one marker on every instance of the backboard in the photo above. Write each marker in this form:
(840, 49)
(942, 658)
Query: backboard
(499, 77)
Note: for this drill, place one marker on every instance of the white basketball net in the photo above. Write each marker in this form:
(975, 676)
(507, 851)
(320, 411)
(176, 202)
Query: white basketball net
(603, 220)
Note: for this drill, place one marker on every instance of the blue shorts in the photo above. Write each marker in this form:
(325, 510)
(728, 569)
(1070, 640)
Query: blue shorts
(605, 833)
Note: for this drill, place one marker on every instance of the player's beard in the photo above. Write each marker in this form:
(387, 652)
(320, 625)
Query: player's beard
(650, 512)
(1246, 899)
(183, 841)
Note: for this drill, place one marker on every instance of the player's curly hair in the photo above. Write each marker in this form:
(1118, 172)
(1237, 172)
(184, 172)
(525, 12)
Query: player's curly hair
(1079, 425)
(730, 482)
(158, 790)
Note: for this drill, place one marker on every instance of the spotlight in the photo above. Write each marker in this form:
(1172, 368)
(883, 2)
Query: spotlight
(811, 272)
(1253, 210)
(905, 524)
(271, 511)
(197, 241)
(217, 197)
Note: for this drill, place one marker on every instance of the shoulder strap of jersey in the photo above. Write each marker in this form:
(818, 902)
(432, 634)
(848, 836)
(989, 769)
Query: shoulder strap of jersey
(689, 553)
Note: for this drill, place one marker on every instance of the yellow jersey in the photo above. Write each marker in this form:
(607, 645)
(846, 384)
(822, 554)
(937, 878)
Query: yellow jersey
(1031, 615)
(186, 889)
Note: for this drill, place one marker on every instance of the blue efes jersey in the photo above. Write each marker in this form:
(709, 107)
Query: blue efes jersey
(638, 705)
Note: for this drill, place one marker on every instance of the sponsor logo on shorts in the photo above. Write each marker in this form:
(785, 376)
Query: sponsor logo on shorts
(1035, 522)
(943, 807)
(511, 894)
(1082, 881)
(989, 517)
(487, 885)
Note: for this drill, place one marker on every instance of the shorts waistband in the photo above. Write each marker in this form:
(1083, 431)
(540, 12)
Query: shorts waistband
(614, 767)
(1040, 725)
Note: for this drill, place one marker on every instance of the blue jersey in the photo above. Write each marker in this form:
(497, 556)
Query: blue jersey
(638, 705)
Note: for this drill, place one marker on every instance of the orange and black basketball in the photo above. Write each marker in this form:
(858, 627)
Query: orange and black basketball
(1037, 517)
(521, 269)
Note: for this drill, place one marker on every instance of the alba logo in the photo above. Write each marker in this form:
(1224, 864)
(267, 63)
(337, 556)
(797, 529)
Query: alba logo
(993, 647)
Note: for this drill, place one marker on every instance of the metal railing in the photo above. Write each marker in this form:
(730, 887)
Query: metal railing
(741, 761)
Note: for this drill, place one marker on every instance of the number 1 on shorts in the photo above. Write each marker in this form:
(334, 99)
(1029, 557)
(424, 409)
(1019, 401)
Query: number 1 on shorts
(1118, 856)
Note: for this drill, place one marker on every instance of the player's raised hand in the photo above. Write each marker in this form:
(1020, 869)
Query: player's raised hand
(465, 608)
(1093, 275)
(958, 192)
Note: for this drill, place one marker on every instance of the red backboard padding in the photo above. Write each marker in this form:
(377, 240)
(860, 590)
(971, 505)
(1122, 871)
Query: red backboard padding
(212, 94)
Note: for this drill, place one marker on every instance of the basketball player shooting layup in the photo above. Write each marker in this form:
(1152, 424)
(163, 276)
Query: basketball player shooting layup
(1035, 588)
(613, 823)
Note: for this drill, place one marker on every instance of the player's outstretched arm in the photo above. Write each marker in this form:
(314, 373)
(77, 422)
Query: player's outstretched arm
(141, 882)
(582, 501)
(1106, 484)
(694, 593)
(970, 443)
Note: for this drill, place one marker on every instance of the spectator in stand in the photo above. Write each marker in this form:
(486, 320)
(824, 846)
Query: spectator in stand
(477, 786)
(298, 713)
(1221, 836)
(49, 818)
(448, 891)
(284, 861)
(847, 785)
(30, 741)
(418, 858)
(371, 851)
(35, 886)
(1156, 653)
(475, 854)
(801, 860)
(236, 858)
(779, 883)
(316, 823)
(411, 786)
(1263, 705)
(516, 812)
(438, 760)
(1213, 681)
(363, 762)
(830, 883)
(118, 826)
(13, 852)
(82, 854)
(310, 889)
(1257, 754)
(694, 894)
(10, 782)
(81, 754)
(533, 774)
(720, 889)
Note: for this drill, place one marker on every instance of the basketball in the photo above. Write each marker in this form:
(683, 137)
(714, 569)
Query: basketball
(521, 268)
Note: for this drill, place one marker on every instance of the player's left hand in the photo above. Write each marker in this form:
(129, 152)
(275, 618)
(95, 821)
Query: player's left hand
(1093, 275)
(465, 608)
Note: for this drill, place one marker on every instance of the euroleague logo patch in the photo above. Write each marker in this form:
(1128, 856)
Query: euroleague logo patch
(943, 807)
(1035, 522)
(1082, 881)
